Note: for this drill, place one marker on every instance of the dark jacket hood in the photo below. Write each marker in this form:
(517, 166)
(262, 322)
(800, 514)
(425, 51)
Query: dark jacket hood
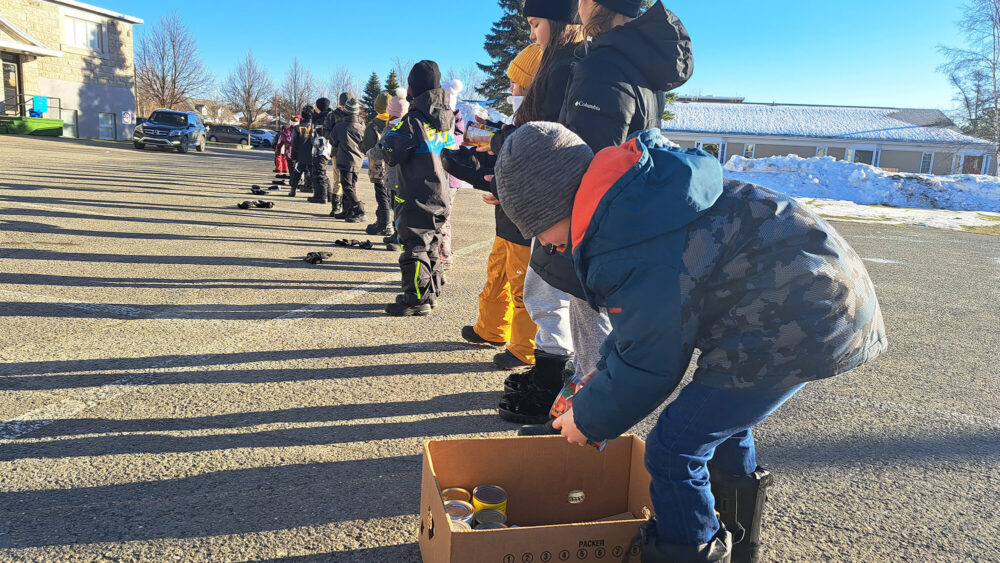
(434, 105)
(659, 189)
(657, 44)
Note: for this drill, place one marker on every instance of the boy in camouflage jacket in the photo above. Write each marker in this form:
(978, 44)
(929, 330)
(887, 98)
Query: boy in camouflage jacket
(769, 293)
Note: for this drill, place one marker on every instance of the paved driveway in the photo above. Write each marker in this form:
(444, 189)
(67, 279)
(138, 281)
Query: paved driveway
(176, 384)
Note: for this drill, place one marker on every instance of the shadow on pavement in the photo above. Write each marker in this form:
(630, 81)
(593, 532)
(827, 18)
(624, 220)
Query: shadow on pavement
(227, 312)
(178, 361)
(312, 436)
(459, 402)
(180, 283)
(219, 503)
(247, 376)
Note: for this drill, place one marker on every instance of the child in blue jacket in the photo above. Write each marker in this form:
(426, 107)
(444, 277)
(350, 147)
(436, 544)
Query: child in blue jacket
(769, 293)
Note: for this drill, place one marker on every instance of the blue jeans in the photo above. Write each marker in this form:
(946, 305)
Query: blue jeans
(703, 423)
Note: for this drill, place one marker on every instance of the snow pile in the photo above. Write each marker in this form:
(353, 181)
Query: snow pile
(828, 178)
(850, 211)
(472, 109)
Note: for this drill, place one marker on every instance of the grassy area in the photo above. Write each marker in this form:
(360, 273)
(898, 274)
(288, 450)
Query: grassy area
(985, 217)
(983, 229)
(862, 219)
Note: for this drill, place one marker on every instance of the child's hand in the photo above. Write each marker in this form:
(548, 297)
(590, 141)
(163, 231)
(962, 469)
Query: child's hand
(491, 199)
(567, 427)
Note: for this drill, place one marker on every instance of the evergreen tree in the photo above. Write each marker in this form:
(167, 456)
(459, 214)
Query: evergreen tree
(508, 37)
(372, 90)
(392, 83)
(667, 114)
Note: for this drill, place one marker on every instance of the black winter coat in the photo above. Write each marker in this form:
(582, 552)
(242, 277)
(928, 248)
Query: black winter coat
(472, 167)
(618, 88)
(323, 124)
(373, 134)
(302, 144)
(415, 145)
(348, 136)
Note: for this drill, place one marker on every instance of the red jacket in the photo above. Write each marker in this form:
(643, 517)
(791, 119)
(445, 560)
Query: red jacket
(283, 147)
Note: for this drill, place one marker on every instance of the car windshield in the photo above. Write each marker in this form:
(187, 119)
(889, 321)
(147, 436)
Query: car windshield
(165, 118)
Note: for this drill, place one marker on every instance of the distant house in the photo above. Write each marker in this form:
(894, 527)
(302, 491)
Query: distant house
(903, 140)
(75, 56)
(213, 112)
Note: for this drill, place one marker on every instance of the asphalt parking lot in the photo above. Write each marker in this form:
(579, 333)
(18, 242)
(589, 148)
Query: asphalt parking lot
(177, 384)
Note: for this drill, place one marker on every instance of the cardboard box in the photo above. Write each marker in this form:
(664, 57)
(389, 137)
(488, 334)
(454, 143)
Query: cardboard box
(540, 475)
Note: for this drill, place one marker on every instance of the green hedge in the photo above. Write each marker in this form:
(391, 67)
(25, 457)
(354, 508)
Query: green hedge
(31, 126)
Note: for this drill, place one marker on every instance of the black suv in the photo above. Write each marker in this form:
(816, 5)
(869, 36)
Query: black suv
(171, 129)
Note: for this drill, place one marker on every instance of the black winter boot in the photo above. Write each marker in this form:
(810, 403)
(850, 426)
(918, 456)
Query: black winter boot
(543, 361)
(335, 205)
(719, 550)
(740, 504)
(533, 404)
(381, 224)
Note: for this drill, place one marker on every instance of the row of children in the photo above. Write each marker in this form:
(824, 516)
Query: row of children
(642, 254)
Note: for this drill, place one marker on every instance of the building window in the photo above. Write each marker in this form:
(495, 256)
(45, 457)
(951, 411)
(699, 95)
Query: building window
(927, 163)
(69, 119)
(970, 164)
(106, 126)
(749, 151)
(84, 34)
(864, 154)
(714, 147)
(822, 151)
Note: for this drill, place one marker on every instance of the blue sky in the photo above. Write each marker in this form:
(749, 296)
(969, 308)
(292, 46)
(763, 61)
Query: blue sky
(850, 52)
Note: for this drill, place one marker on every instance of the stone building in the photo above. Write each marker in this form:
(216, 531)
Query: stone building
(75, 56)
(898, 140)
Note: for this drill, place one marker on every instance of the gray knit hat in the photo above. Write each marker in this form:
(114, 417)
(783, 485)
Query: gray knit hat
(538, 172)
(352, 107)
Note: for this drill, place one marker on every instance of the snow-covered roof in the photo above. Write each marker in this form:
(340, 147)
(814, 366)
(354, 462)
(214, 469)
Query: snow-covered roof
(828, 122)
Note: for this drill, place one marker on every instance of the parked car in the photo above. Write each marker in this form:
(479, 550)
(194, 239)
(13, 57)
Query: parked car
(170, 129)
(263, 137)
(228, 134)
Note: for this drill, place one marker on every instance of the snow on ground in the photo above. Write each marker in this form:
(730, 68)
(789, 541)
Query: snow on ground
(848, 190)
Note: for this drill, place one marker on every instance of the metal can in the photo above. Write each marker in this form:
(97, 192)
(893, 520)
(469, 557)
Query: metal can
(456, 493)
(489, 516)
(491, 526)
(489, 496)
(459, 511)
(460, 526)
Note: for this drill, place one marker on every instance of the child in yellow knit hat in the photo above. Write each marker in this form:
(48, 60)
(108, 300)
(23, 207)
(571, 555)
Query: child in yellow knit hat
(521, 72)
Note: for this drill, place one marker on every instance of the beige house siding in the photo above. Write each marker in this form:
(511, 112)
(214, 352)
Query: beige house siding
(903, 161)
(85, 80)
(764, 150)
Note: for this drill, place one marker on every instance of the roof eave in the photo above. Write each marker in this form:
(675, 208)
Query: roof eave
(27, 49)
(97, 10)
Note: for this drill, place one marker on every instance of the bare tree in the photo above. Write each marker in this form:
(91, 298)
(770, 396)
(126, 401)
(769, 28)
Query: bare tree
(298, 89)
(402, 67)
(472, 78)
(168, 68)
(342, 81)
(975, 69)
(248, 90)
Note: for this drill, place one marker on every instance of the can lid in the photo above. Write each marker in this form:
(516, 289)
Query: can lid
(456, 493)
(458, 509)
(490, 515)
(460, 525)
(491, 526)
(489, 494)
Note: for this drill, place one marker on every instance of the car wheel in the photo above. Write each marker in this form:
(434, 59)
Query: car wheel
(139, 146)
(267, 144)
(200, 147)
(213, 139)
(183, 148)
(243, 142)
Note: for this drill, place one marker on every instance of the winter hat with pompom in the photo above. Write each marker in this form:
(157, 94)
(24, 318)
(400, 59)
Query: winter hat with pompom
(538, 171)
(398, 106)
(382, 102)
(454, 88)
(523, 68)
(352, 106)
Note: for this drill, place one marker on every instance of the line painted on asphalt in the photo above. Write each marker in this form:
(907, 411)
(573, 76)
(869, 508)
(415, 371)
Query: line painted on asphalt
(41, 417)
(103, 308)
(883, 261)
